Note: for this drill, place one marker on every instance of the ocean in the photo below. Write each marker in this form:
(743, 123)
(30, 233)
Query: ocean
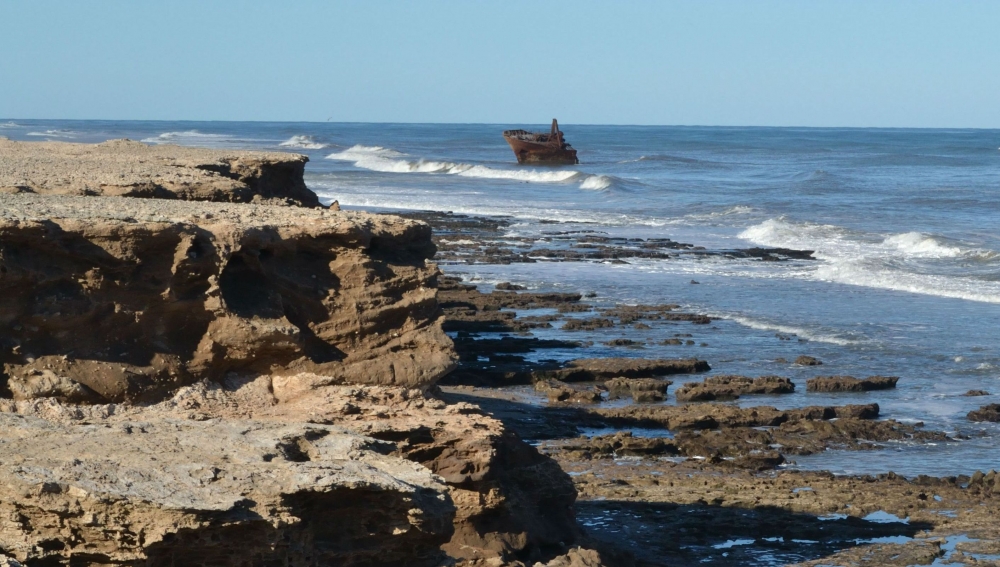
(905, 225)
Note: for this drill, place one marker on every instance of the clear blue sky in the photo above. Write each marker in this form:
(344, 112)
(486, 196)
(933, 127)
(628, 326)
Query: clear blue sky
(812, 63)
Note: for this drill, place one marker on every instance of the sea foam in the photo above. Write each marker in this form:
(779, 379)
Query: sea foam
(54, 134)
(378, 158)
(182, 137)
(303, 142)
(893, 262)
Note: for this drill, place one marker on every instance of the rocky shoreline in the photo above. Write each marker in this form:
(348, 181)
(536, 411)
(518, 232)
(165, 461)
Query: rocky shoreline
(202, 366)
(698, 481)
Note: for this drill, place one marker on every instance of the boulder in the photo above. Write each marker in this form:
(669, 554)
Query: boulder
(990, 412)
(577, 557)
(805, 360)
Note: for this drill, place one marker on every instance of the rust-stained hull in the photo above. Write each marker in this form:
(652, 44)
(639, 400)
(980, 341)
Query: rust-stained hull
(528, 152)
(532, 147)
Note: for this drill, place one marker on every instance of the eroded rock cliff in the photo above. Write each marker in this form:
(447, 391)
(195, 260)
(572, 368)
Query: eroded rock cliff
(126, 299)
(133, 169)
(194, 383)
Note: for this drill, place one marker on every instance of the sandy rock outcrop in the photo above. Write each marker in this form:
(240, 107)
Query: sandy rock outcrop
(126, 168)
(126, 299)
(509, 503)
(236, 492)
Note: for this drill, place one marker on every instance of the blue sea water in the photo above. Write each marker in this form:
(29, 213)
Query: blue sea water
(905, 225)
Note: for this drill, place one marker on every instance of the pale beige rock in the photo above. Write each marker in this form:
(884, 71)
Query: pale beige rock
(133, 169)
(577, 557)
(180, 492)
(509, 500)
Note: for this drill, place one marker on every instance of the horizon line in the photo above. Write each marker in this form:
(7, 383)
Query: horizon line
(420, 123)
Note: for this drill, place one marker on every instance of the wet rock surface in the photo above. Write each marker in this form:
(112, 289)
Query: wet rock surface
(728, 387)
(639, 389)
(720, 516)
(850, 383)
(989, 412)
(643, 470)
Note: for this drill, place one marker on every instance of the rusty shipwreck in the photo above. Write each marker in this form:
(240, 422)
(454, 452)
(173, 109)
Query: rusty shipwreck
(533, 147)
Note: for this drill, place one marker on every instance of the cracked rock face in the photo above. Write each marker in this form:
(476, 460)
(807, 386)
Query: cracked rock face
(125, 168)
(237, 492)
(119, 299)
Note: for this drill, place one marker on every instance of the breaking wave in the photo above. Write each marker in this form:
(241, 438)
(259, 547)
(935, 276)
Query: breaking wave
(801, 332)
(912, 262)
(180, 137)
(378, 158)
(54, 134)
(9, 125)
(202, 139)
(598, 182)
(303, 143)
(923, 246)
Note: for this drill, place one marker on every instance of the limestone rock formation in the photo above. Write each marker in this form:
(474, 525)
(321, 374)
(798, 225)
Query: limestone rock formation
(236, 492)
(126, 299)
(508, 502)
(133, 169)
(238, 383)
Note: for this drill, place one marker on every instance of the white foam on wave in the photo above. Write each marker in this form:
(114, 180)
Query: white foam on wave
(359, 151)
(880, 261)
(802, 332)
(171, 137)
(54, 134)
(390, 198)
(598, 182)
(377, 158)
(920, 245)
(209, 140)
(303, 142)
(9, 125)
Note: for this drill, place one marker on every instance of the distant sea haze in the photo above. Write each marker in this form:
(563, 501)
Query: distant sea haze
(905, 225)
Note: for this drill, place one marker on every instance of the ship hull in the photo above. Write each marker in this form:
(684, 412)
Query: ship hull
(528, 152)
